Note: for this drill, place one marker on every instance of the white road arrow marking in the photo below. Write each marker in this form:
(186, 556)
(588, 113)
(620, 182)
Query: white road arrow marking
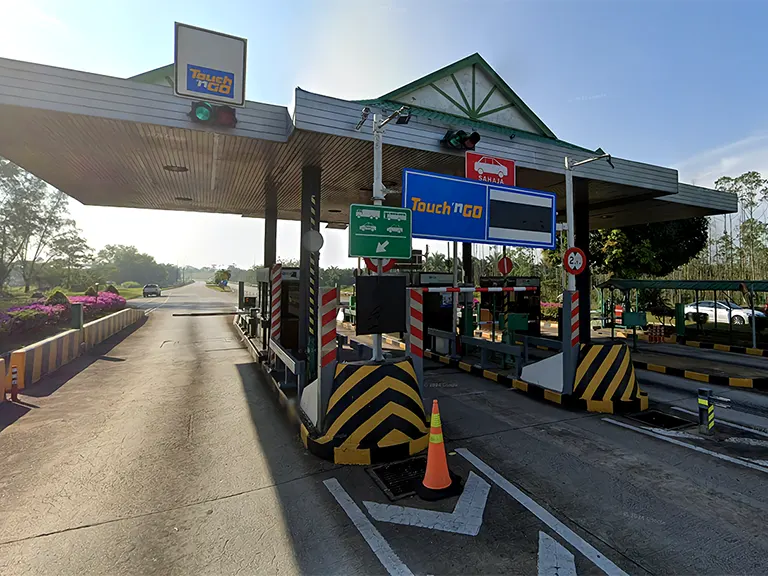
(382, 246)
(466, 518)
(554, 558)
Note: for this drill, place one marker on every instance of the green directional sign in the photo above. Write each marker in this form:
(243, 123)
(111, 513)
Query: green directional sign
(379, 232)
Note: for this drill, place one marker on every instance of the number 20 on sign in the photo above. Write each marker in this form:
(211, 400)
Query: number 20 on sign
(574, 260)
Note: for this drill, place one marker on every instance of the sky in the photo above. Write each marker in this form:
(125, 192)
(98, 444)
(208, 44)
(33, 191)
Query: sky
(672, 83)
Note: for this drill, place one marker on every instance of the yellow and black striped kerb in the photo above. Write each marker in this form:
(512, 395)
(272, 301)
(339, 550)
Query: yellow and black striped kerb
(375, 414)
(725, 348)
(605, 380)
(758, 383)
(530, 389)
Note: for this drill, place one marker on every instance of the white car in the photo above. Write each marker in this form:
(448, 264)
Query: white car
(491, 166)
(726, 312)
(368, 228)
(393, 229)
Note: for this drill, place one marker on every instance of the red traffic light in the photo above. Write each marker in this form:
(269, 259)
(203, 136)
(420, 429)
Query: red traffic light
(205, 113)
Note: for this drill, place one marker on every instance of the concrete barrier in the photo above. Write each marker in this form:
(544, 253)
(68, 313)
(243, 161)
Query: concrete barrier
(44, 357)
(99, 330)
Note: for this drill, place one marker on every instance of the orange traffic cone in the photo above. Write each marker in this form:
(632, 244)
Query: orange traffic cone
(438, 481)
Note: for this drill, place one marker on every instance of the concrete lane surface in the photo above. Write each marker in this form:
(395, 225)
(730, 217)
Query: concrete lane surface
(165, 452)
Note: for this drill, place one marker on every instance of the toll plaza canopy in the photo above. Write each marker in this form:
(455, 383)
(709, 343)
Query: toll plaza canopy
(130, 142)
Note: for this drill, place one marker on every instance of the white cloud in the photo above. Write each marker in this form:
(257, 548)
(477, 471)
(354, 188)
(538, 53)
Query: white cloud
(732, 159)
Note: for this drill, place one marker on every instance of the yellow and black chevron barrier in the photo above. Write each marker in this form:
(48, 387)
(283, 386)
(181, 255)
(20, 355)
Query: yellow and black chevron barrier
(375, 414)
(605, 380)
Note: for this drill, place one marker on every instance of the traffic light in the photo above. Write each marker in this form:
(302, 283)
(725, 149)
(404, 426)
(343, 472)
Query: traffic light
(460, 140)
(213, 115)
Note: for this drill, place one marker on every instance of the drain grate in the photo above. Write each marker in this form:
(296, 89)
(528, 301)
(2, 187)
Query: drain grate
(399, 479)
(659, 419)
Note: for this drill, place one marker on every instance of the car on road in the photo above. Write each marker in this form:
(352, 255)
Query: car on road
(151, 290)
(491, 166)
(726, 312)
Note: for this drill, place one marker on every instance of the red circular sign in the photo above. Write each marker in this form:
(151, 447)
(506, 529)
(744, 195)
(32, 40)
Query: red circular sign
(505, 265)
(574, 260)
(386, 264)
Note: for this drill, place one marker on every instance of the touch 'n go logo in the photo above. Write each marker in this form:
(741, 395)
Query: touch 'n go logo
(210, 81)
(446, 209)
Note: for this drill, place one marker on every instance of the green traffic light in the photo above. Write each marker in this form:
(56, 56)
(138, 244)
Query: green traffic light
(203, 112)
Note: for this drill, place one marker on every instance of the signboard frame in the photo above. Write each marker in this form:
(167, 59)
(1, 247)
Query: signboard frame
(370, 251)
(482, 193)
(209, 63)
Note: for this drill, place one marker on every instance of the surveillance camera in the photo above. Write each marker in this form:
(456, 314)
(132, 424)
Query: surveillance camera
(363, 117)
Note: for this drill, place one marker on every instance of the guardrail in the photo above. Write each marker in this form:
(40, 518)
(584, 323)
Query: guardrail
(290, 366)
(519, 353)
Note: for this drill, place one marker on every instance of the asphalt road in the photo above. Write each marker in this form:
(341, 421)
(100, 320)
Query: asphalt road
(164, 452)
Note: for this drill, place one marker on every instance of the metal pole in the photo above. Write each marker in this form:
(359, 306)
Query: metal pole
(752, 306)
(571, 281)
(455, 295)
(706, 411)
(378, 197)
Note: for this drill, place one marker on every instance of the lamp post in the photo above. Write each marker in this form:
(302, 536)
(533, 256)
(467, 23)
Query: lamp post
(379, 192)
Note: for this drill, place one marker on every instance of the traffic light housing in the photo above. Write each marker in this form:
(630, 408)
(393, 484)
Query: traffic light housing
(213, 115)
(460, 140)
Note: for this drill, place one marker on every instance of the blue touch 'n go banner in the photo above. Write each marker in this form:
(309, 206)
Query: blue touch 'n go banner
(459, 209)
(210, 81)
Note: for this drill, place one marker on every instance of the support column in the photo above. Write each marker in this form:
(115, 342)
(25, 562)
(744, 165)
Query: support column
(466, 257)
(581, 239)
(308, 274)
(270, 226)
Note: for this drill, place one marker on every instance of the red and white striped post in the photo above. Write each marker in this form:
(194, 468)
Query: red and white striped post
(326, 350)
(575, 319)
(571, 339)
(277, 290)
(416, 334)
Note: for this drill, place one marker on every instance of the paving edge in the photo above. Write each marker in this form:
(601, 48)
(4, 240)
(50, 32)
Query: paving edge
(309, 435)
(756, 383)
(539, 393)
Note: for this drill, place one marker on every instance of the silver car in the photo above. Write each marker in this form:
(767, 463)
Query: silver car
(151, 290)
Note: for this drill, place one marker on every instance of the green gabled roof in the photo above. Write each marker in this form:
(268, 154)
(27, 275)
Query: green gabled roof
(472, 111)
(476, 124)
(155, 76)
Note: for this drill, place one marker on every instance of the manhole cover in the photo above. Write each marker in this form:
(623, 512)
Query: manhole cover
(399, 479)
(660, 420)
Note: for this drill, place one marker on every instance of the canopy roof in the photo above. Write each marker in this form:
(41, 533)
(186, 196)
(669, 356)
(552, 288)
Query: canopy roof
(130, 142)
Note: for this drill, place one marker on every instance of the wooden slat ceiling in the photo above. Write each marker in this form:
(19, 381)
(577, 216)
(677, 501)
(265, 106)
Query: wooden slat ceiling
(119, 163)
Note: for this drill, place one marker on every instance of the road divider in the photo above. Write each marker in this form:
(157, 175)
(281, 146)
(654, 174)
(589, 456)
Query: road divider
(37, 360)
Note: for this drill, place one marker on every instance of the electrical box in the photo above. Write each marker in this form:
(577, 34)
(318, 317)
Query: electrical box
(517, 322)
(634, 319)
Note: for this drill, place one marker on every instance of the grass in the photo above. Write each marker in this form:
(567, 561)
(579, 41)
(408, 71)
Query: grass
(219, 288)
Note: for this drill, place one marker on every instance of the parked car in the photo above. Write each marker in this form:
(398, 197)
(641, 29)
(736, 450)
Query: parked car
(151, 290)
(726, 312)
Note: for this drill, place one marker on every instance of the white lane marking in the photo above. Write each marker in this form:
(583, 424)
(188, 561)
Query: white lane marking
(466, 518)
(391, 562)
(747, 441)
(554, 559)
(158, 306)
(673, 433)
(537, 510)
(725, 457)
(728, 422)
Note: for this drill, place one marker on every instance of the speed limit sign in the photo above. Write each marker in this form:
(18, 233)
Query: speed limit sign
(574, 260)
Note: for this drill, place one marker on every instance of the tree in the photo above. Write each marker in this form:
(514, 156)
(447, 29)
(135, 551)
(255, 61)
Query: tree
(118, 263)
(437, 262)
(647, 249)
(32, 216)
(70, 253)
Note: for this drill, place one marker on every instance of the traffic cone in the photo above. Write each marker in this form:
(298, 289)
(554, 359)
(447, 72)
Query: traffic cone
(438, 481)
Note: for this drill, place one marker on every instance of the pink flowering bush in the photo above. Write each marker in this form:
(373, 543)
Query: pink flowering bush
(549, 310)
(30, 317)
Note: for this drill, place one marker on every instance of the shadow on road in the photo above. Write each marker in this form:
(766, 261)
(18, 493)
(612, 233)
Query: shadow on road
(290, 465)
(49, 384)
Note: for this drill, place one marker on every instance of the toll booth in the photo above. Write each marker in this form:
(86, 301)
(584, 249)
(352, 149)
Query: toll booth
(437, 307)
(528, 302)
(289, 317)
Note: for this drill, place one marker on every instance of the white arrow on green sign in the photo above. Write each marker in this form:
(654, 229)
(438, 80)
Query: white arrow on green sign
(379, 232)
